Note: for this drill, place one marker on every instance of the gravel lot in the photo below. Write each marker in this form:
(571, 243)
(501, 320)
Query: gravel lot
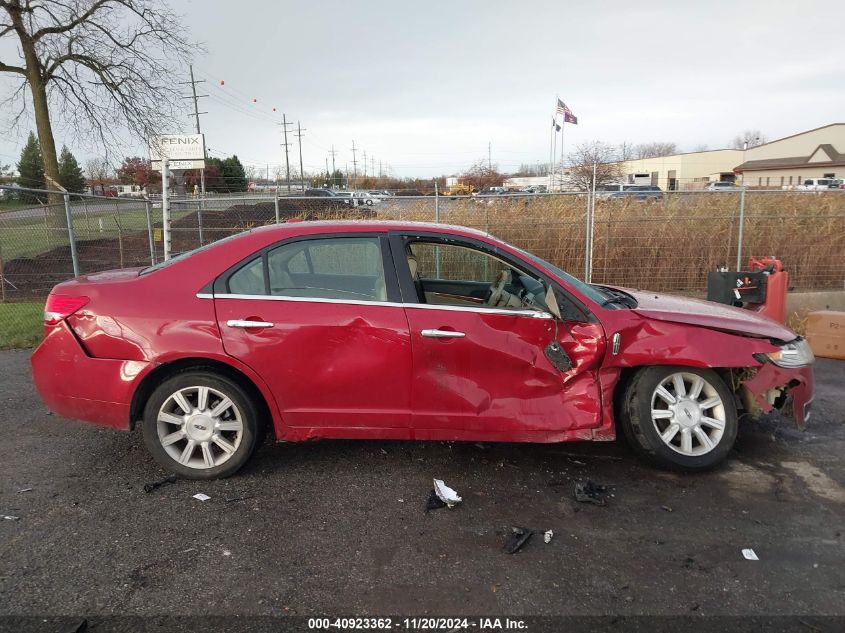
(338, 527)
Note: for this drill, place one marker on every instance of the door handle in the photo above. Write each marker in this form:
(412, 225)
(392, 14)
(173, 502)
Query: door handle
(246, 325)
(442, 334)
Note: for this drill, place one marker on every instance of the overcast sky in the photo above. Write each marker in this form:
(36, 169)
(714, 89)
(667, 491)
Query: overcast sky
(425, 86)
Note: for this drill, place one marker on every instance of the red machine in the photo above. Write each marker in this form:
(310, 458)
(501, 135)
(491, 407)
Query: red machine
(762, 288)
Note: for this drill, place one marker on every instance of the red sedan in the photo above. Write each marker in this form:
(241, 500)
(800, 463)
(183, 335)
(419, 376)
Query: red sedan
(402, 331)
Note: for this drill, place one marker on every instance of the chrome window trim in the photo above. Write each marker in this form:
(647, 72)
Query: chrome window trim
(388, 304)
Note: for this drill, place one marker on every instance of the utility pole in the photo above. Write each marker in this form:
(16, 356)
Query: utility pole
(489, 157)
(373, 165)
(365, 163)
(285, 125)
(193, 83)
(327, 170)
(333, 153)
(379, 168)
(299, 132)
(354, 167)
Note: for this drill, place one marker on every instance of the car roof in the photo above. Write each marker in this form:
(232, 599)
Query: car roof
(292, 229)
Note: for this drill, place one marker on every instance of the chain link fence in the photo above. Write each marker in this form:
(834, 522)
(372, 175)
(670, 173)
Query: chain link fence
(665, 244)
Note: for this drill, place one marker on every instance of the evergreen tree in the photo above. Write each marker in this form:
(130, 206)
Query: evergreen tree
(30, 166)
(233, 174)
(70, 174)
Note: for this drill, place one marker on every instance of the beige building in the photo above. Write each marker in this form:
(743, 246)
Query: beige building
(692, 170)
(817, 153)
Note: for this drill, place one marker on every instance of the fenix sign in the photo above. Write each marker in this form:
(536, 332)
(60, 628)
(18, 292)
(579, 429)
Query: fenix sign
(183, 151)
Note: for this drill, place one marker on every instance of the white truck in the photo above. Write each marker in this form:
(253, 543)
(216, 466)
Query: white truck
(817, 184)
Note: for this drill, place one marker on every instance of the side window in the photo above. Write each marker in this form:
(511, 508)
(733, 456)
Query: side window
(249, 280)
(329, 268)
(450, 274)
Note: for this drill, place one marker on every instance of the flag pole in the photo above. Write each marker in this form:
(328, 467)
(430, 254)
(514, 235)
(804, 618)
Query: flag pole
(551, 153)
(562, 128)
(554, 149)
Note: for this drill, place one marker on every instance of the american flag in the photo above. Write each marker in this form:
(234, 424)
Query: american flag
(568, 117)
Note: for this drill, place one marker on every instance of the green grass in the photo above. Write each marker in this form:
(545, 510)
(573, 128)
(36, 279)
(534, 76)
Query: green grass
(21, 324)
(13, 205)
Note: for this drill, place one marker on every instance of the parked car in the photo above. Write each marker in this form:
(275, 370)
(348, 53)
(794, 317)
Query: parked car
(837, 183)
(815, 184)
(722, 185)
(380, 193)
(364, 197)
(638, 192)
(345, 330)
(318, 193)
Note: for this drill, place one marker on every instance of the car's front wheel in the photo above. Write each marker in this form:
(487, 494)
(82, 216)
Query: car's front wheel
(680, 417)
(201, 425)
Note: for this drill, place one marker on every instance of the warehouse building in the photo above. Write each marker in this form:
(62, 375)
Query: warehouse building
(692, 170)
(786, 162)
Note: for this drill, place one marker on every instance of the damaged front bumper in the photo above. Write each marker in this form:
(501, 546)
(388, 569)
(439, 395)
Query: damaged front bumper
(788, 390)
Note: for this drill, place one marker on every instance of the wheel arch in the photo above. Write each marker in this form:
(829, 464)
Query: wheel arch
(166, 370)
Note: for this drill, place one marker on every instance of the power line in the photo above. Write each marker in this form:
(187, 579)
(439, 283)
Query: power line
(333, 152)
(285, 125)
(197, 114)
(354, 166)
(299, 132)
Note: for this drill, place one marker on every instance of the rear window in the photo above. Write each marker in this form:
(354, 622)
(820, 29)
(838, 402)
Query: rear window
(183, 256)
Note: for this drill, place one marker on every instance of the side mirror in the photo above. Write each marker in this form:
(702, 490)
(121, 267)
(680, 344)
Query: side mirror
(551, 303)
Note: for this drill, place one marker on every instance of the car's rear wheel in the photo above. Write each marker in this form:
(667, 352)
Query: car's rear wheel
(680, 417)
(201, 425)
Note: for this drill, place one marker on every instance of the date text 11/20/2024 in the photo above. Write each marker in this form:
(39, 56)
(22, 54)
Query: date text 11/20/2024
(417, 624)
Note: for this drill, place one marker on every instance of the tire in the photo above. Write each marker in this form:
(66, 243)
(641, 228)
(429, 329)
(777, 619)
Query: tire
(225, 435)
(696, 433)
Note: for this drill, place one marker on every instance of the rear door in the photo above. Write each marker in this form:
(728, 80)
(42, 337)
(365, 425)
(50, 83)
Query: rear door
(479, 366)
(319, 320)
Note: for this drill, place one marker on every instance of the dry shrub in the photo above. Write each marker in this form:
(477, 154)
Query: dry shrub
(661, 245)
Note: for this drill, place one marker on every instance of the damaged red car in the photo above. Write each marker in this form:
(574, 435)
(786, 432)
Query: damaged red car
(396, 330)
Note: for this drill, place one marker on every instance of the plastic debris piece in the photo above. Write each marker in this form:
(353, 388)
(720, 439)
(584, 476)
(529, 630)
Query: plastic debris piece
(591, 492)
(201, 496)
(434, 502)
(667, 508)
(170, 479)
(241, 498)
(548, 535)
(9, 517)
(25, 490)
(517, 539)
(446, 494)
(749, 554)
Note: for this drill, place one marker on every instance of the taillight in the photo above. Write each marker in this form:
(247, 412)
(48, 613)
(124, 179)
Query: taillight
(60, 307)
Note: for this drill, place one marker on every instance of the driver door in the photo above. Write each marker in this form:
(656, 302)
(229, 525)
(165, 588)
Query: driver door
(479, 370)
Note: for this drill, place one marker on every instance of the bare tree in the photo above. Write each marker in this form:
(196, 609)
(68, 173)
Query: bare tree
(99, 171)
(701, 147)
(481, 174)
(655, 149)
(752, 137)
(93, 66)
(593, 157)
(625, 151)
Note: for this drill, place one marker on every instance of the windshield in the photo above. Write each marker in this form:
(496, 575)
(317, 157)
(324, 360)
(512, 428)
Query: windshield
(587, 290)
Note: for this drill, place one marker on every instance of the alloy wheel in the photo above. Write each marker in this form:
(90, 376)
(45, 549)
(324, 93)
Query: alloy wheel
(199, 427)
(688, 414)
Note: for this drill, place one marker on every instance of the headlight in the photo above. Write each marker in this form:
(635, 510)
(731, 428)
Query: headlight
(794, 354)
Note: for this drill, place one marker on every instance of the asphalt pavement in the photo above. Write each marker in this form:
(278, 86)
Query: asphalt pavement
(338, 527)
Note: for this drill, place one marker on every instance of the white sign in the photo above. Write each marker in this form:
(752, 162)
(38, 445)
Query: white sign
(177, 147)
(176, 165)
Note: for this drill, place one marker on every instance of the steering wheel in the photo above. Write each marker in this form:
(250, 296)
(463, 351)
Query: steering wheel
(494, 294)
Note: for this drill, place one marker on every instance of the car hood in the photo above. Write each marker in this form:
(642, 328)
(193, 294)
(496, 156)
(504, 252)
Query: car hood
(708, 314)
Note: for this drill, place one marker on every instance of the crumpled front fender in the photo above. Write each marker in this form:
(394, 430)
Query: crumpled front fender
(796, 383)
